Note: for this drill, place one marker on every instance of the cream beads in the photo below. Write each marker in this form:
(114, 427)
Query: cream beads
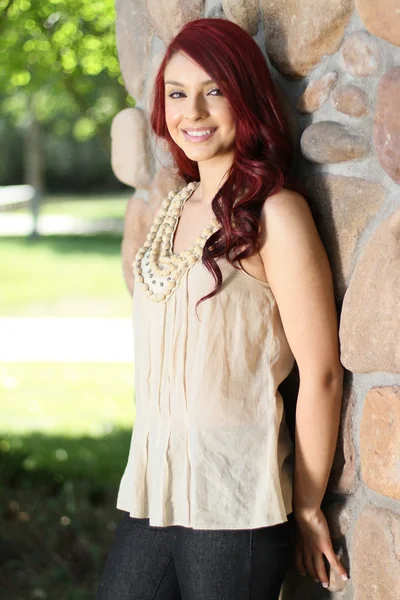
(156, 267)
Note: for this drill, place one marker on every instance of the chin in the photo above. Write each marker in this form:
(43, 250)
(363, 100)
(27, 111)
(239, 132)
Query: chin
(200, 154)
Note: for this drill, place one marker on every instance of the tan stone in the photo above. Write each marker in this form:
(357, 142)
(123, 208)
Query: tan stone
(351, 100)
(134, 34)
(140, 214)
(332, 142)
(382, 18)
(375, 562)
(153, 69)
(317, 93)
(342, 207)
(380, 441)
(299, 34)
(130, 151)
(370, 319)
(387, 123)
(138, 220)
(164, 181)
(245, 14)
(343, 477)
(361, 55)
(169, 16)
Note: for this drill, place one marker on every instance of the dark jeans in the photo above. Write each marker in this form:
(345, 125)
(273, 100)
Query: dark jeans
(180, 563)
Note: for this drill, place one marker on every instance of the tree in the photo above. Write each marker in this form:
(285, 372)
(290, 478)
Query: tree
(59, 67)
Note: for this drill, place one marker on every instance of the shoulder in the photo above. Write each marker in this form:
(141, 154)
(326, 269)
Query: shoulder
(290, 244)
(286, 204)
(286, 213)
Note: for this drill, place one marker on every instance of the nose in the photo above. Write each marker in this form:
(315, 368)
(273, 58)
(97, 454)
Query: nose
(195, 107)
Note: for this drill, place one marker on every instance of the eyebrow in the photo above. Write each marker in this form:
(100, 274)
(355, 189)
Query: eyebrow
(182, 85)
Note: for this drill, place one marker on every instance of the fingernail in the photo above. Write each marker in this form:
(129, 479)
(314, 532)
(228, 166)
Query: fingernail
(344, 577)
(316, 580)
(325, 585)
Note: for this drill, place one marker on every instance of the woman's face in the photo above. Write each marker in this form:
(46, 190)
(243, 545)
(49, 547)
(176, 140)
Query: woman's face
(195, 105)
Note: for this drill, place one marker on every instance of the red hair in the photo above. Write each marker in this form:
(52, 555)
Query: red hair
(263, 150)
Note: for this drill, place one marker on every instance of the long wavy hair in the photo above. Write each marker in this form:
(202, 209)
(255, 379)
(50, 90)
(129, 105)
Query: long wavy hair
(263, 146)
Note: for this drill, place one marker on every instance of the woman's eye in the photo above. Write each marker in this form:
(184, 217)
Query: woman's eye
(177, 95)
(216, 90)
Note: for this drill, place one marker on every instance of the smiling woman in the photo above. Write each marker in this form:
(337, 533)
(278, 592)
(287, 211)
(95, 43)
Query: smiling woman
(210, 490)
(196, 111)
(246, 148)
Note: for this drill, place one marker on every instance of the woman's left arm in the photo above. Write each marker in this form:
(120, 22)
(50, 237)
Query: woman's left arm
(299, 274)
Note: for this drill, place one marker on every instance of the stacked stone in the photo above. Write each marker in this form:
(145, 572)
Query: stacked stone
(338, 63)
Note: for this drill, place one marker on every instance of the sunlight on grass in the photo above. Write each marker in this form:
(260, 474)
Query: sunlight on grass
(71, 399)
(70, 419)
(63, 276)
(107, 206)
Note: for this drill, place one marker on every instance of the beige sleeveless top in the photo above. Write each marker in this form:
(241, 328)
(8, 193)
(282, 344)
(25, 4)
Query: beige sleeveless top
(210, 448)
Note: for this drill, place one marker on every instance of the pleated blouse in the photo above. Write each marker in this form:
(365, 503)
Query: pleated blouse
(210, 448)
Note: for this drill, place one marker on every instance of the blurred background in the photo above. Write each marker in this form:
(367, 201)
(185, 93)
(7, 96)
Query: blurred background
(66, 360)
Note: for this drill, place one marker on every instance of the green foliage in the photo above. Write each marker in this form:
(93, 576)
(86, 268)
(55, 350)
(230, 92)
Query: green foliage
(58, 517)
(58, 62)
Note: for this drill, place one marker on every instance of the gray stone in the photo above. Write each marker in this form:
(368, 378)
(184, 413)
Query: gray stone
(332, 142)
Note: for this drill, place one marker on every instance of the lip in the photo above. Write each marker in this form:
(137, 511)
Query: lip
(197, 139)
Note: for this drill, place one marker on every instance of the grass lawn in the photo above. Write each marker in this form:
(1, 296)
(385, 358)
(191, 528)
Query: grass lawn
(99, 206)
(69, 399)
(64, 440)
(65, 428)
(66, 275)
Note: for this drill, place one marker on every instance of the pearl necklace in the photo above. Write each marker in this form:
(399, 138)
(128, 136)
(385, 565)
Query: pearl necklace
(156, 267)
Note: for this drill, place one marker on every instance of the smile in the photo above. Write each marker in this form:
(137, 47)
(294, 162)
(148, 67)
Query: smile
(198, 135)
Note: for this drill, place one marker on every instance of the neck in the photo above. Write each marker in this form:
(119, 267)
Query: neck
(212, 176)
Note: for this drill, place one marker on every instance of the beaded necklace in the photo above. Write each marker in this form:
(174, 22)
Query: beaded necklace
(156, 267)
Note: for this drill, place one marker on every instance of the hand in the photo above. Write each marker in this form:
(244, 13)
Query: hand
(312, 541)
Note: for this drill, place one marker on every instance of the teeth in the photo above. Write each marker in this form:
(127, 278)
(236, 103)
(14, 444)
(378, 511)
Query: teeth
(199, 134)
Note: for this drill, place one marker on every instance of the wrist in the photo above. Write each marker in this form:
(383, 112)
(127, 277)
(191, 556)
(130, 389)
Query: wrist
(305, 512)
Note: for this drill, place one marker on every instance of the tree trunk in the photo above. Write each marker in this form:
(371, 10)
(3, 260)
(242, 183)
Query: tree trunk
(33, 167)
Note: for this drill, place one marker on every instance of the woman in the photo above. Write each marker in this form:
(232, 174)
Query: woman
(209, 491)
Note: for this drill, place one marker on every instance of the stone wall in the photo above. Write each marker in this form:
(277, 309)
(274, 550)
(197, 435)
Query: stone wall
(338, 63)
